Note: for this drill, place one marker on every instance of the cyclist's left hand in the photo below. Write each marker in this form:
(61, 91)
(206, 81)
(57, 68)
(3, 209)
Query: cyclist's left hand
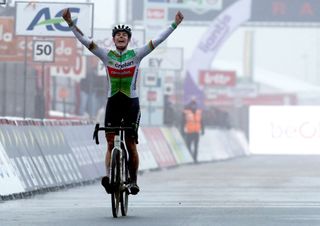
(67, 16)
(179, 17)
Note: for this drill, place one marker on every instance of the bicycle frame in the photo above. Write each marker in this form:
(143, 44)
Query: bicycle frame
(118, 140)
(118, 168)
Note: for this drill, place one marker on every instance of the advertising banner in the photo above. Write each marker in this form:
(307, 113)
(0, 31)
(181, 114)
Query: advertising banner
(292, 130)
(213, 145)
(56, 154)
(285, 12)
(219, 31)
(215, 78)
(27, 141)
(19, 158)
(12, 47)
(87, 167)
(159, 147)
(164, 59)
(197, 11)
(63, 154)
(146, 158)
(74, 71)
(9, 179)
(97, 156)
(42, 142)
(45, 18)
(177, 145)
(155, 19)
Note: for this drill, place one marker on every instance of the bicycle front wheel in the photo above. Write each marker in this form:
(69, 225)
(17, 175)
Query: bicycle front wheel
(124, 199)
(115, 182)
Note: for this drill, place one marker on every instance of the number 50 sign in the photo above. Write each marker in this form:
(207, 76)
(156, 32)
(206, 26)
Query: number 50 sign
(43, 51)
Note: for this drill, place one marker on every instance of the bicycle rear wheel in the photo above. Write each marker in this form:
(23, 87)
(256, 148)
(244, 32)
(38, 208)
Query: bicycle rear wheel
(115, 182)
(124, 199)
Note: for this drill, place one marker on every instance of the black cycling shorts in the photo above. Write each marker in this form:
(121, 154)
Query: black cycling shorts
(120, 107)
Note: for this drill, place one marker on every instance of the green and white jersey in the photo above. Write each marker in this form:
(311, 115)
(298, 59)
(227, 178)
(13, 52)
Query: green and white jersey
(122, 67)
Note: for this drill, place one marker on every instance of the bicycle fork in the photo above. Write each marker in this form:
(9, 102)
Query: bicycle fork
(117, 145)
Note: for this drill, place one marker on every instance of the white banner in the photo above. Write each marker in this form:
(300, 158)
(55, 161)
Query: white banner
(45, 18)
(284, 130)
(164, 59)
(146, 157)
(219, 31)
(9, 181)
(103, 38)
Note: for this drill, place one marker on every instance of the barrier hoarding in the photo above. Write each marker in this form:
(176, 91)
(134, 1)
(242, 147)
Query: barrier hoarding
(28, 141)
(45, 18)
(96, 155)
(177, 145)
(9, 179)
(62, 154)
(87, 166)
(146, 158)
(159, 147)
(19, 158)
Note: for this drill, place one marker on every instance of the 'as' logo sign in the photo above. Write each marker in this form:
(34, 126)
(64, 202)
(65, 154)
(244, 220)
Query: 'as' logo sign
(44, 18)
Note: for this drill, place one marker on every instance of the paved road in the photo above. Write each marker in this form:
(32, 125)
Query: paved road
(257, 190)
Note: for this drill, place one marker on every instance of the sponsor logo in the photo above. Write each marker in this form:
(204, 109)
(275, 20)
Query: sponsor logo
(155, 13)
(116, 73)
(5, 36)
(217, 78)
(43, 18)
(217, 35)
(126, 64)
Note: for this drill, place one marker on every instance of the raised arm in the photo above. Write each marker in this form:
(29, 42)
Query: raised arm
(90, 44)
(152, 44)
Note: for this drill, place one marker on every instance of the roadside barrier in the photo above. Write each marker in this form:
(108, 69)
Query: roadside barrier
(222, 144)
(43, 155)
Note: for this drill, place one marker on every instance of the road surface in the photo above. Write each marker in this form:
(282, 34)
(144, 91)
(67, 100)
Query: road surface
(255, 190)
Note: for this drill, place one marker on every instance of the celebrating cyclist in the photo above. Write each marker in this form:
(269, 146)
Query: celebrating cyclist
(121, 66)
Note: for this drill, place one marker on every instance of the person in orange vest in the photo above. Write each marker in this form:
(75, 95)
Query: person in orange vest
(192, 122)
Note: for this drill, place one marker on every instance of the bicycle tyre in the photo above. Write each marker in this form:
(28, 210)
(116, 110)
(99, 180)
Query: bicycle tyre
(124, 199)
(115, 182)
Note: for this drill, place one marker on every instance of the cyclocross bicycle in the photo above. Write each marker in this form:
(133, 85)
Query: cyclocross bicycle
(119, 171)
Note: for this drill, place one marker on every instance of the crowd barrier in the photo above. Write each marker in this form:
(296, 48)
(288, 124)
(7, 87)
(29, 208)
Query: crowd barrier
(40, 155)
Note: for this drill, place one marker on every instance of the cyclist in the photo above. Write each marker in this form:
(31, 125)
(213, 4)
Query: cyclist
(123, 103)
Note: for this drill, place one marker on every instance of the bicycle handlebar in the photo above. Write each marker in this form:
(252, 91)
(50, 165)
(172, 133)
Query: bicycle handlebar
(97, 128)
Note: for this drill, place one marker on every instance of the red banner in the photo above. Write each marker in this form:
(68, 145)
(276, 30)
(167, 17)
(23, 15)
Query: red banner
(217, 78)
(12, 48)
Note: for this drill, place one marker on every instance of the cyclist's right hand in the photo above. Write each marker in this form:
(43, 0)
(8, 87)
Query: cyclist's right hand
(67, 16)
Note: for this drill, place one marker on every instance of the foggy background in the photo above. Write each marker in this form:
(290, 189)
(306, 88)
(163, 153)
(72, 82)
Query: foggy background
(273, 58)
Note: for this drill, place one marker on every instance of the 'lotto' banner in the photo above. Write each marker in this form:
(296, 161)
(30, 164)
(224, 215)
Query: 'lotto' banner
(45, 18)
(219, 31)
(159, 147)
(177, 145)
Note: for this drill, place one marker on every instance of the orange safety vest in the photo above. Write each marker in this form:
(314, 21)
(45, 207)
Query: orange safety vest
(193, 121)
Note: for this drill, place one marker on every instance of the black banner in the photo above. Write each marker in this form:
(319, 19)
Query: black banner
(285, 11)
